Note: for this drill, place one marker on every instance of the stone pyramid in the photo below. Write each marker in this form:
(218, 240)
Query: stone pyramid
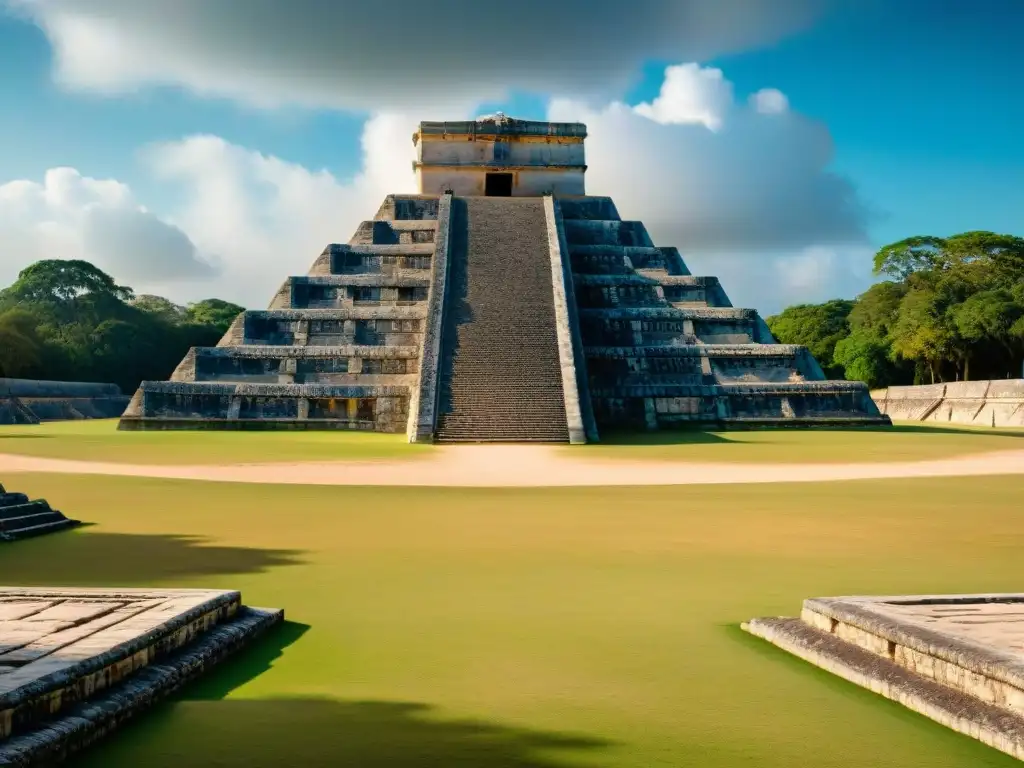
(500, 304)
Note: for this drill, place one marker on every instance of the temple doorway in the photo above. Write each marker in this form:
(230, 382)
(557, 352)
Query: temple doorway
(498, 185)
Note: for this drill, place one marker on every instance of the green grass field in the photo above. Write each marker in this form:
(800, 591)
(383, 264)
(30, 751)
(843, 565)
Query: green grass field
(902, 442)
(542, 628)
(101, 441)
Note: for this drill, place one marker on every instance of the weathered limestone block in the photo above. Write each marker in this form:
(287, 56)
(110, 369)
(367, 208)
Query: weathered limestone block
(193, 405)
(958, 659)
(996, 403)
(578, 413)
(423, 402)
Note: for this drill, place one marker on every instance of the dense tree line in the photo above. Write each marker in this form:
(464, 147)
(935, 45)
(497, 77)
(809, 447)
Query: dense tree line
(950, 309)
(69, 321)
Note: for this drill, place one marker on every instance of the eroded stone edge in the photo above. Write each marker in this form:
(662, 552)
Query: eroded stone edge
(974, 657)
(423, 397)
(568, 351)
(91, 720)
(992, 725)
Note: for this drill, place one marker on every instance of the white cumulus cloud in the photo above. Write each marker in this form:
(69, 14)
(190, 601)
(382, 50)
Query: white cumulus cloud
(71, 216)
(770, 101)
(744, 190)
(363, 55)
(691, 95)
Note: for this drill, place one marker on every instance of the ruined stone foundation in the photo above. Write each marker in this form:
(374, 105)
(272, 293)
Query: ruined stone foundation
(499, 319)
(27, 401)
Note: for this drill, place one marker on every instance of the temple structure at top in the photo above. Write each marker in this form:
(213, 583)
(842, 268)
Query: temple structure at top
(498, 156)
(500, 303)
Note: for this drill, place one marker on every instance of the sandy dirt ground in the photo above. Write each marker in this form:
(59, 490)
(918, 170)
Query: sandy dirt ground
(528, 466)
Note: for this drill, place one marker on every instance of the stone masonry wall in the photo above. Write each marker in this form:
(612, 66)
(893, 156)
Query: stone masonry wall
(996, 403)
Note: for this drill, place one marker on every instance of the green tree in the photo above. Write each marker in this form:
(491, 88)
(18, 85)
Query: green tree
(984, 253)
(902, 259)
(20, 346)
(992, 323)
(69, 321)
(924, 331)
(877, 309)
(59, 282)
(163, 308)
(215, 312)
(819, 327)
(866, 354)
(995, 259)
(867, 357)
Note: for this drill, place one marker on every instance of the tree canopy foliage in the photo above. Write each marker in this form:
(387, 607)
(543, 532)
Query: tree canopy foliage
(69, 321)
(952, 309)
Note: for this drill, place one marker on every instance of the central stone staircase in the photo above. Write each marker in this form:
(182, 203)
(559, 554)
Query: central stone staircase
(500, 377)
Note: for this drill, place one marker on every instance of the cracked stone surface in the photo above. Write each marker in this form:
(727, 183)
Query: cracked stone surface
(1000, 625)
(75, 663)
(43, 632)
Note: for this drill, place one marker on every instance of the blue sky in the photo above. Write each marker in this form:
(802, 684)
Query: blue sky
(923, 102)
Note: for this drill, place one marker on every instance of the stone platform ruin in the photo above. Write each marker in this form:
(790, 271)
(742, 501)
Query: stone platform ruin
(957, 659)
(28, 401)
(22, 517)
(76, 663)
(501, 303)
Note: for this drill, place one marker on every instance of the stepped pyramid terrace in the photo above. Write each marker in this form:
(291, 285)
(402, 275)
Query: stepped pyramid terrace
(500, 303)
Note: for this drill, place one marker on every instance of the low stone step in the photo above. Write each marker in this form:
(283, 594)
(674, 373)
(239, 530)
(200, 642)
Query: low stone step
(498, 439)
(509, 416)
(521, 407)
(472, 378)
(482, 422)
(498, 436)
(23, 508)
(485, 427)
(21, 517)
(12, 524)
(53, 526)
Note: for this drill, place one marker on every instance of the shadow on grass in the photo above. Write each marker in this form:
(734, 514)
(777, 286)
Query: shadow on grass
(661, 437)
(82, 558)
(970, 432)
(694, 436)
(201, 727)
(247, 665)
(323, 732)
